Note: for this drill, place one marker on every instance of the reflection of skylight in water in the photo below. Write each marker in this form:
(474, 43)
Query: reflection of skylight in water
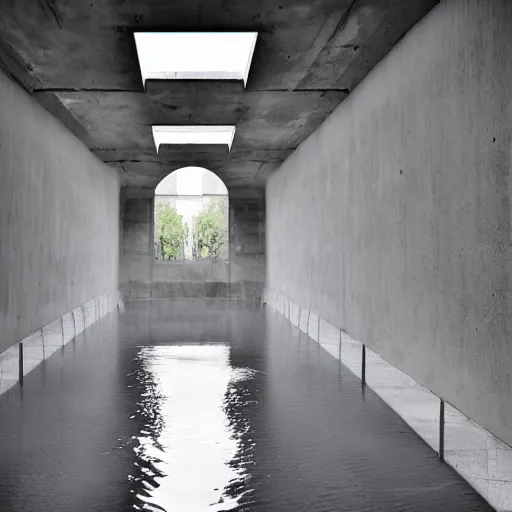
(193, 455)
(193, 135)
(195, 55)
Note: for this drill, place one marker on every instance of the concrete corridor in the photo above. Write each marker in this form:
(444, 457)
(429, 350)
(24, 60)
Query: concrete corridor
(342, 341)
(201, 405)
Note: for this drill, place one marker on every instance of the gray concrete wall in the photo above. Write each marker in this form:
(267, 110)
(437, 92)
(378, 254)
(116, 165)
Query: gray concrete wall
(241, 278)
(393, 220)
(137, 249)
(59, 218)
(247, 241)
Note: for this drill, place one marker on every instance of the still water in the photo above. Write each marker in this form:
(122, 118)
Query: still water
(210, 406)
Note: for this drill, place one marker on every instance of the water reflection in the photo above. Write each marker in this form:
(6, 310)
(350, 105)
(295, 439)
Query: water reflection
(239, 397)
(194, 448)
(196, 430)
(146, 444)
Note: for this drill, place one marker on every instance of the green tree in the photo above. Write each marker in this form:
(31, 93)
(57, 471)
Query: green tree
(170, 232)
(210, 231)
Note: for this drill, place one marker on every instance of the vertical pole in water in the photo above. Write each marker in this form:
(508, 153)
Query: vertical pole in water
(83, 316)
(363, 365)
(319, 329)
(42, 342)
(441, 430)
(339, 348)
(20, 358)
(74, 323)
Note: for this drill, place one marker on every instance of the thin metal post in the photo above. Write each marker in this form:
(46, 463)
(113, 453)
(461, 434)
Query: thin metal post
(318, 334)
(441, 430)
(339, 348)
(74, 322)
(20, 358)
(62, 328)
(42, 342)
(363, 365)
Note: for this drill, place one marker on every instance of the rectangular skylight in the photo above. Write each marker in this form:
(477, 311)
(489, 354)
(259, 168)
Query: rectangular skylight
(195, 55)
(193, 135)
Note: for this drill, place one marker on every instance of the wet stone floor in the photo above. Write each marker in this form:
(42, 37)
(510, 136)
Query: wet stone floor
(210, 406)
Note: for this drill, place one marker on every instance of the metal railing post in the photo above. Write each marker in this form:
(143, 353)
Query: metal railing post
(363, 365)
(74, 322)
(62, 328)
(441, 430)
(20, 358)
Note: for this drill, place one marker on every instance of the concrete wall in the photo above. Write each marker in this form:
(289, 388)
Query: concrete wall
(241, 278)
(393, 220)
(137, 246)
(59, 218)
(247, 241)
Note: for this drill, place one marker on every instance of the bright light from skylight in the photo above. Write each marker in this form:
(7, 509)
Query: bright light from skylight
(195, 55)
(193, 135)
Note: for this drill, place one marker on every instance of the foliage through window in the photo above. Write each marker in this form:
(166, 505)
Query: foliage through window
(170, 233)
(210, 233)
(191, 217)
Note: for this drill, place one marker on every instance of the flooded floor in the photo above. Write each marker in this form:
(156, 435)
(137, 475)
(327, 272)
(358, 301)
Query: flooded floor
(210, 406)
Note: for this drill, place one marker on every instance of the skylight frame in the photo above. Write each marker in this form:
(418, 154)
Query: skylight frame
(208, 59)
(193, 135)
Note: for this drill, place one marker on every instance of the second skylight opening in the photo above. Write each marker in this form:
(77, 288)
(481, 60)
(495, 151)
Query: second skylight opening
(178, 135)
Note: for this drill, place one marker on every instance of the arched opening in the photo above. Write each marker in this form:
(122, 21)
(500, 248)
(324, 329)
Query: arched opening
(191, 216)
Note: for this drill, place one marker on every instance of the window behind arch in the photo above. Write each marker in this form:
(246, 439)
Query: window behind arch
(191, 216)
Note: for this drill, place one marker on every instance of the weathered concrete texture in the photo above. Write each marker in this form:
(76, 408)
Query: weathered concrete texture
(137, 256)
(247, 242)
(190, 279)
(79, 60)
(392, 220)
(59, 211)
(242, 277)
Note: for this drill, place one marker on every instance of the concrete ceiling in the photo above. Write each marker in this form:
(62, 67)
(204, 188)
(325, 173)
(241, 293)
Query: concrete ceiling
(78, 59)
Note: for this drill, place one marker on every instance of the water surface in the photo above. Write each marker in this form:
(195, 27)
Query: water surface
(210, 406)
